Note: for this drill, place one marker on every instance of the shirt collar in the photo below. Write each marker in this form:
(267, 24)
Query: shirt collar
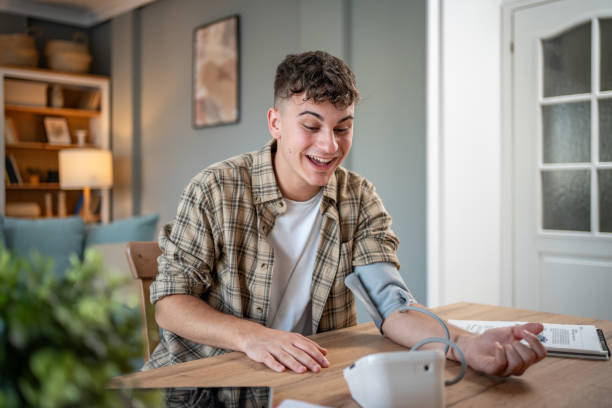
(330, 188)
(263, 179)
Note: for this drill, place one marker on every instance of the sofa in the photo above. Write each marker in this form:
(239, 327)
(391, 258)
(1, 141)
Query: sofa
(59, 238)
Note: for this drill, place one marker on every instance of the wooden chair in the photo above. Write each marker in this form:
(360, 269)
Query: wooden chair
(142, 258)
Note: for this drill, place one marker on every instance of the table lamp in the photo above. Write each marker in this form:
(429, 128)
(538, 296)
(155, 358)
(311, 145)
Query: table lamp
(85, 169)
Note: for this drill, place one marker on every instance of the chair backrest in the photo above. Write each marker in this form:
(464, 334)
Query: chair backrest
(142, 258)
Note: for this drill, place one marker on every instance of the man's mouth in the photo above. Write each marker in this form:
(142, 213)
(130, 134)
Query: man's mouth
(321, 162)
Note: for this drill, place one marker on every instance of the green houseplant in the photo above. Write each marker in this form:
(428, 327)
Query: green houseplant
(63, 337)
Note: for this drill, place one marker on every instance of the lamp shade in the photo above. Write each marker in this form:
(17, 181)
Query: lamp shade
(80, 168)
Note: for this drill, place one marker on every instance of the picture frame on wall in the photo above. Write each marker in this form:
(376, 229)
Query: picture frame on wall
(216, 73)
(56, 130)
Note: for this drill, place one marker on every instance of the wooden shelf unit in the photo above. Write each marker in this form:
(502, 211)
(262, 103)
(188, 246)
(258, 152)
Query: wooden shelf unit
(32, 149)
(46, 146)
(42, 110)
(31, 186)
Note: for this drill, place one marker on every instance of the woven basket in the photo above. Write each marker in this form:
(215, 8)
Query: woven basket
(69, 61)
(69, 56)
(18, 49)
(78, 44)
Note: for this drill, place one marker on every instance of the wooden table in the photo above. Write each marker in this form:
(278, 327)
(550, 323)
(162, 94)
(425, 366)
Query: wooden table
(554, 382)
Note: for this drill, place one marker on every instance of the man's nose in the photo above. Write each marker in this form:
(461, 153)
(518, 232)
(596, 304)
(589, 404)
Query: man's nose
(327, 142)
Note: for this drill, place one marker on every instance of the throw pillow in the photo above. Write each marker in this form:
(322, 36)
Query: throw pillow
(141, 228)
(57, 238)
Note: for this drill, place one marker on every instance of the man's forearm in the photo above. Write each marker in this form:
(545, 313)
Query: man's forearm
(196, 320)
(408, 328)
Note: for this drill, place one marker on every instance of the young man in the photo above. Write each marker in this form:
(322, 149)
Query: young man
(261, 245)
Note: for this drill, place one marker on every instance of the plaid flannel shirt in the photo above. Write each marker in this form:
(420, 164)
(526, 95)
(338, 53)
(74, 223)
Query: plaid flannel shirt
(216, 248)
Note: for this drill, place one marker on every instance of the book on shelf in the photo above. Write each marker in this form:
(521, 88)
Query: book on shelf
(79, 205)
(94, 206)
(10, 173)
(13, 162)
(96, 203)
(90, 100)
(10, 131)
(560, 340)
(10, 170)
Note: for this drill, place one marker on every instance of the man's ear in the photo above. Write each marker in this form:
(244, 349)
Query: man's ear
(274, 123)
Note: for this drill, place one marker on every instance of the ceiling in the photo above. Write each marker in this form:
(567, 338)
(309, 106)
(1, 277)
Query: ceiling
(84, 13)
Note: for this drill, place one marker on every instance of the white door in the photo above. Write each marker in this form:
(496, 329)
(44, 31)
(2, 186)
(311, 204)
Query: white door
(562, 157)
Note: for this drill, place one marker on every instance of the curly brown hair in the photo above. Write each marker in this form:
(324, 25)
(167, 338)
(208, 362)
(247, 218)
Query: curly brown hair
(319, 75)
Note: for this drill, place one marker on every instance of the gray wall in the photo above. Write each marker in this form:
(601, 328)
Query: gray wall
(99, 44)
(388, 43)
(383, 41)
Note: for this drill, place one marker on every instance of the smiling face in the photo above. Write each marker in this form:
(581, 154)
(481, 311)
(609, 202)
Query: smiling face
(312, 140)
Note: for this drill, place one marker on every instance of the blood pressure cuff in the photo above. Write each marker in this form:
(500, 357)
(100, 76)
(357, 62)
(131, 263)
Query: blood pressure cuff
(380, 288)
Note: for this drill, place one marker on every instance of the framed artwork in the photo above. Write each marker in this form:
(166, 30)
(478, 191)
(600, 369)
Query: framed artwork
(57, 130)
(216, 73)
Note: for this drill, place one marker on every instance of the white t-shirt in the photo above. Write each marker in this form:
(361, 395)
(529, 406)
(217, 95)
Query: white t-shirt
(295, 238)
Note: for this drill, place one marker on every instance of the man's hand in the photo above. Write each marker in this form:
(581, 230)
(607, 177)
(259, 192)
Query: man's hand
(500, 352)
(278, 350)
(496, 351)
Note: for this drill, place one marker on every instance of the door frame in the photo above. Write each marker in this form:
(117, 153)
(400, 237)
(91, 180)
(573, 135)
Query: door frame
(508, 282)
(434, 153)
(442, 233)
(450, 238)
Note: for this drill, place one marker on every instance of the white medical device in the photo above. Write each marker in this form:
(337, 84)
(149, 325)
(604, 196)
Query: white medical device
(411, 379)
(398, 379)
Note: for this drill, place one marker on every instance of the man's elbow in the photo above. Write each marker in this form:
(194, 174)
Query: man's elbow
(170, 308)
(161, 311)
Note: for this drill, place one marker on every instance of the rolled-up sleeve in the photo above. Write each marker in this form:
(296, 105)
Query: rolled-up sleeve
(374, 241)
(188, 248)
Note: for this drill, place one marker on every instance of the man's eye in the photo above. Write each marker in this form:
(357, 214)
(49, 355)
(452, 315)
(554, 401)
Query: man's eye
(342, 130)
(311, 128)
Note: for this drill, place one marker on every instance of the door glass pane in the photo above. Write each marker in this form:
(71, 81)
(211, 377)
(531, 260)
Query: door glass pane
(605, 28)
(566, 200)
(567, 62)
(567, 132)
(605, 130)
(605, 200)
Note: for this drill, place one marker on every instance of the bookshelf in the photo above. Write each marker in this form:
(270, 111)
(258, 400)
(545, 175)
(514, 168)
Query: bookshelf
(32, 186)
(41, 146)
(83, 104)
(53, 111)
